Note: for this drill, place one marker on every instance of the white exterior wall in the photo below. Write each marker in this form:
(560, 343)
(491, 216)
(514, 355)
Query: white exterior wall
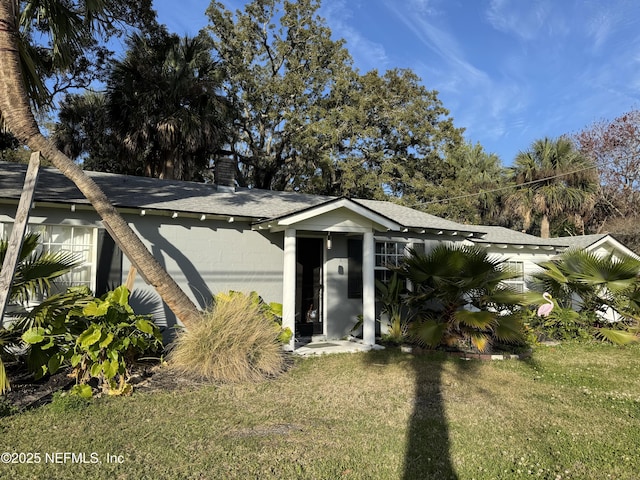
(529, 257)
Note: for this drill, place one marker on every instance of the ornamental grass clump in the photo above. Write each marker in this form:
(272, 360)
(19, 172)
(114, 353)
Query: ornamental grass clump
(234, 341)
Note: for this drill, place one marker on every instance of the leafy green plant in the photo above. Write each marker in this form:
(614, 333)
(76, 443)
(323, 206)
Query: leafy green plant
(563, 323)
(49, 329)
(6, 339)
(592, 284)
(99, 342)
(459, 296)
(392, 306)
(235, 340)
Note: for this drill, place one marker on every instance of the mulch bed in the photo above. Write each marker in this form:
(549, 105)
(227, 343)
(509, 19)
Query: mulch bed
(26, 392)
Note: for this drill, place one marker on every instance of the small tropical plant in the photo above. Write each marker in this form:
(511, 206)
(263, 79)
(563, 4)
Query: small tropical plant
(235, 340)
(390, 296)
(99, 341)
(459, 296)
(592, 284)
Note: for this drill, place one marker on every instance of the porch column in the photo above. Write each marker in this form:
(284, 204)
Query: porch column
(289, 284)
(368, 290)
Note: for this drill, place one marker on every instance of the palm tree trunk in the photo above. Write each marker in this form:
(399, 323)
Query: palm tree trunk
(18, 117)
(545, 228)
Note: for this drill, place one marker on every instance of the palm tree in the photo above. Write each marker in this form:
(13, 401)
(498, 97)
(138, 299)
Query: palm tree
(178, 124)
(560, 183)
(67, 28)
(460, 296)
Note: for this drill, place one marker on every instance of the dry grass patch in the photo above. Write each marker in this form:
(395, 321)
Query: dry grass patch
(234, 341)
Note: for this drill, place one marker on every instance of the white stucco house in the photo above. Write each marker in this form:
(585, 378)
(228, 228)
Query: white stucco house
(316, 255)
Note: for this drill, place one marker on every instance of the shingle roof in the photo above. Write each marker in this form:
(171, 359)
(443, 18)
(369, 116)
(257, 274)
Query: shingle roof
(506, 236)
(580, 241)
(150, 193)
(171, 195)
(411, 218)
(198, 198)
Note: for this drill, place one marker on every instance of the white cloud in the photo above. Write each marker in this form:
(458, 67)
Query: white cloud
(526, 20)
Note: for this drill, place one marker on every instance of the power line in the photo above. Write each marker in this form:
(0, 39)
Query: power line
(518, 185)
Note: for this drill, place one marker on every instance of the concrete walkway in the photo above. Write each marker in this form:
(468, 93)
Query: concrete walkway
(334, 346)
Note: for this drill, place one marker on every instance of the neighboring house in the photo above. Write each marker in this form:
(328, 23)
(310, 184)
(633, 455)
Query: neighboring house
(317, 255)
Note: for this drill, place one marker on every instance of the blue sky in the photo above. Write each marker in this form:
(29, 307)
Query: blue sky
(509, 71)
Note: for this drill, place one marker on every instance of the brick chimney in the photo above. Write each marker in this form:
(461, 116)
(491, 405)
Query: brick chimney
(225, 174)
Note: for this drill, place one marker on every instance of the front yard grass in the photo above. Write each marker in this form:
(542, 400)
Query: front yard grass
(571, 411)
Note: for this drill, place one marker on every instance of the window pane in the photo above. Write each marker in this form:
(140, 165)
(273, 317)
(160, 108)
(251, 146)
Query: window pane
(59, 235)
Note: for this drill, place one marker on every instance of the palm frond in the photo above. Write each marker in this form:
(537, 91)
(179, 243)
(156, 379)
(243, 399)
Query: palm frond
(5, 339)
(429, 332)
(619, 337)
(4, 380)
(481, 320)
(55, 309)
(482, 341)
(509, 328)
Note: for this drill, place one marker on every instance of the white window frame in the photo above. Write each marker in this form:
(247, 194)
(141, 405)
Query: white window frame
(518, 283)
(397, 252)
(89, 260)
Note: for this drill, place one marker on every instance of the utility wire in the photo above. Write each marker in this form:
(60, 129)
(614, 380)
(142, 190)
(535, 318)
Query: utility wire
(518, 185)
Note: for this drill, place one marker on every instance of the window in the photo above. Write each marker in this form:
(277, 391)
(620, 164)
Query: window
(388, 254)
(80, 241)
(517, 283)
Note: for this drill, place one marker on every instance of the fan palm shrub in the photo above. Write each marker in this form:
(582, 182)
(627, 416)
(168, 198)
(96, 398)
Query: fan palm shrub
(235, 340)
(36, 271)
(593, 284)
(460, 296)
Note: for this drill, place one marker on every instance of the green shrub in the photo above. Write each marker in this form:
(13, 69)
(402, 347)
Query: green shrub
(34, 276)
(583, 281)
(99, 342)
(561, 324)
(390, 296)
(234, 341)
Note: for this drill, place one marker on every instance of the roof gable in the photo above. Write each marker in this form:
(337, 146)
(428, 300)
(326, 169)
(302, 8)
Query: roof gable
(338, 215)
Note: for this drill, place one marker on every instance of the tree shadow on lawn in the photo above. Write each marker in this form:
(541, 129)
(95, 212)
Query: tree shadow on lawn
(427, 454)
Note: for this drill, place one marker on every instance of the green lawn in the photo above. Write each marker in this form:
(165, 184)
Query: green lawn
(572, 411)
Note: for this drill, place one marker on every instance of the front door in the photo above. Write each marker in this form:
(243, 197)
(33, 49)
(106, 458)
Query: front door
(309, 300)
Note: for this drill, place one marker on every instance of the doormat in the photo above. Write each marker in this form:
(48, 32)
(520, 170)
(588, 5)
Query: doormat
(321, 345)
